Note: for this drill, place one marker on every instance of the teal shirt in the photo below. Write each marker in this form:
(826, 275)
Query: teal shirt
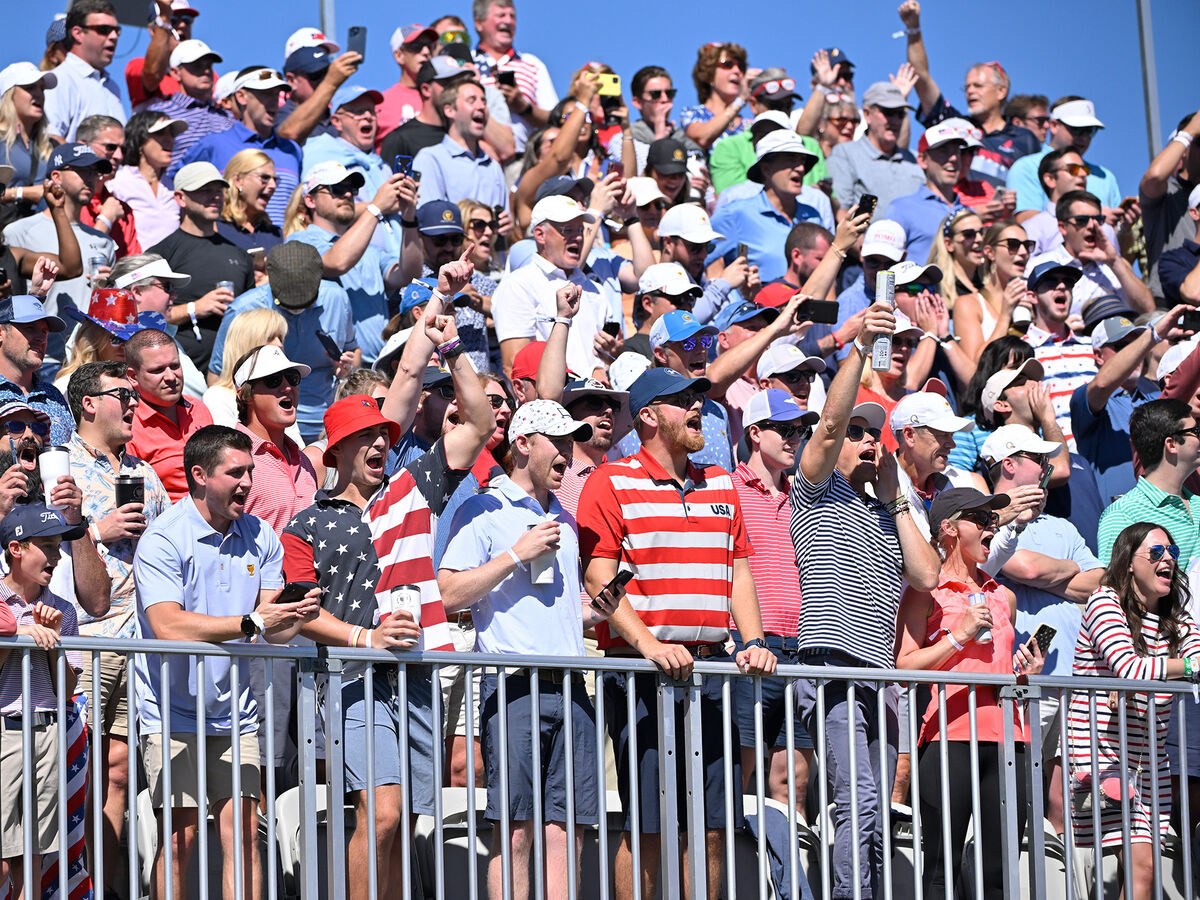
(1147, 503)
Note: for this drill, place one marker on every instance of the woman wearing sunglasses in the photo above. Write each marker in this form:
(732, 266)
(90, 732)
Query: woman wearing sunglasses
(722, 87)
(991, 312)
(965, 624)
(480, 224)
(958, 252)
(1136, 626)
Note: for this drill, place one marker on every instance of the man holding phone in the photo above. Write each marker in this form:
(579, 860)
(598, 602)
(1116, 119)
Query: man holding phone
(458, 168)
(525, 597)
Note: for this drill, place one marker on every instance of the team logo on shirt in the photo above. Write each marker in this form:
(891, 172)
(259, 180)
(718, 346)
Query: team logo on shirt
(250, 568)
(722, 509)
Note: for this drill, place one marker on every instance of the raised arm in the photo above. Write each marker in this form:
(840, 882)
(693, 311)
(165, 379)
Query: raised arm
(1117, 370)
(1154, 183)
(552, 370)
(304, 117)
(729, 366)
(927, 89)
(348, 249)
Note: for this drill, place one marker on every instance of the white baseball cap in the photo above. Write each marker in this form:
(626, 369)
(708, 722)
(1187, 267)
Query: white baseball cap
(782, 356)
(547, 417)
(263, 78)
(1009, 439)
(1077, 114)
(158, 268)
(667, 278)
(688, 221)
(24, 74)
(224, 86)
(329, 173)
(875, 414)
(626, 368)
(190, 51)
(909, 272)
(927, 409)
(947, 130)
(885, 238)
(645, 190)
(905, 325)
(196, 175)
(308, 37)
(1175, 355)
(267, 361)
(999, 382)
(558, 208)
(175, 126)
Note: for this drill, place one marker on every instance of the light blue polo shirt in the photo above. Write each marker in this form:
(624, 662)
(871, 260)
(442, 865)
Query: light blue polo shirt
(332, 315)
(364, 286)
(921, 214)
(1023, 178)
(518, 616)
(754, 222)
(1058, 539)
(180, 558)
(449, 171)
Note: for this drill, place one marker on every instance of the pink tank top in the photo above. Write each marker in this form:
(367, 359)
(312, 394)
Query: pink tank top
(949, 605)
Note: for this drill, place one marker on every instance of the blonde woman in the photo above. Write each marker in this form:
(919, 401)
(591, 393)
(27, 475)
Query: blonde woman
(23, 141)
(249, 329)
(244, 220)
(983, 317)
(295, 216)
(958, 251)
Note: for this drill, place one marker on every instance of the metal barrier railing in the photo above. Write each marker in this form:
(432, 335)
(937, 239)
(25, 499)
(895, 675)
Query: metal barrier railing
(304, 830)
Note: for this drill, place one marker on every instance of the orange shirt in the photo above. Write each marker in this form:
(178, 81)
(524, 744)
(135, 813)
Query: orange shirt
(159, 441)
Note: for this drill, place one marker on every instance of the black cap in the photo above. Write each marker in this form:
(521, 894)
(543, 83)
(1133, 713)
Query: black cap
(34, 520)
(960, 499)
(667, 156)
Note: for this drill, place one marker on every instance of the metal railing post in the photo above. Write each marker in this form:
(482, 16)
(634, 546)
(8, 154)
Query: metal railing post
(668, 820)
(306, 716)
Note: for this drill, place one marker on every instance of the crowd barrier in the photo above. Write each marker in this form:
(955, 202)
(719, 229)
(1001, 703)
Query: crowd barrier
(302, 832)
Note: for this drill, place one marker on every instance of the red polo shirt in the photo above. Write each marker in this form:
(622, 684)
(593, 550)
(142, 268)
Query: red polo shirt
(284, 481)
(768, 517)
(159, 441)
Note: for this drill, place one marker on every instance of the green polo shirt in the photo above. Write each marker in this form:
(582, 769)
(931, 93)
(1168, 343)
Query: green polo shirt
(733, 156)
(1147, 503)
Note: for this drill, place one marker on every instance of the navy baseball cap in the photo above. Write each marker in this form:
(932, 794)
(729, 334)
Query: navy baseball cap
(1106, 307)
(25, 308)
(439, 217)
(33, 520)
(656, 382)
(308, 60)
(434, 376)
(77, 155)
(736, 313)
(1050, 267)
(562, 185)
(836, 58)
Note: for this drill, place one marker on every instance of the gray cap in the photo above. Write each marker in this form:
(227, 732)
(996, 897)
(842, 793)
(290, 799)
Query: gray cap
(294, 273)
(886, 95)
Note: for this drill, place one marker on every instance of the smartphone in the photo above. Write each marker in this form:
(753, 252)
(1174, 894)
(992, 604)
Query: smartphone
(506, 77)
(824, 312)
(1190, 320)
(1042, 636)
(867, 204)
(3, 274)
(1044, 481)
(743, 251)
(331, 346)
(610, 85)
(258, 256)
(1128, 202)
(402, 165)
(616, 587)
(611, 166)
(356, 40)
(294, 591)
(612, 328)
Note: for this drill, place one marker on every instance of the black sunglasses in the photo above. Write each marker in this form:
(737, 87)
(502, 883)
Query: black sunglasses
(1082, 221)
(441, 240)
(797, 376)
(659, 93)
(446, 391)
(1012, 245)
(1184, 432)
(103, 29)
(984, 518)
(15, 427)
(969, 234)
(479, 226)
(593, 403)
(682, 400)
(274, 380)
(785, 431)
(498, 400)
(123, 394)
(855, 433)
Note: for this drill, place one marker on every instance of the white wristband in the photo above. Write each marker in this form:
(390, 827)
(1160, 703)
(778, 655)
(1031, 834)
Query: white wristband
(258, 622)
(20, 193)
(953, 642)
(516, 559)
(104, 220)
(1182, 137)
(562, 320)
(375, 211)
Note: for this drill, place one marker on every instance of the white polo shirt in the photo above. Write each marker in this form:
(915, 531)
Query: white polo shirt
(524, 306)
(81, 91)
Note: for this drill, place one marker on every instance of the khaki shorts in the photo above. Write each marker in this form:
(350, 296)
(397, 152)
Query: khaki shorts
(185, 762)
(44, 782)
(454, 683)
(109, 708)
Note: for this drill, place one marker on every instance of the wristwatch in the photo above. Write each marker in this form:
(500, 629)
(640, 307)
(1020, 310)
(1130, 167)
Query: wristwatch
(252, 624)
(754, 642)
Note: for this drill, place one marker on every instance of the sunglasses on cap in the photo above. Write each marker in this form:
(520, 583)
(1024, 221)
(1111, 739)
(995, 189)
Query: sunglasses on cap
(275, 379)
(776, 86)
(1082, 221)
(1012, 245)
(660, 93)
(785, 430)
(41, 429)
(984, 518)
(1158, 551)
(441, 240)
(704, 341)
(855, 433)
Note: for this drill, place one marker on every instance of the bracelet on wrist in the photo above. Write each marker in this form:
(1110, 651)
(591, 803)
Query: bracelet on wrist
(583, 109)
(1183, 138)
(102, 219)
(562, 320)
(838, 343)
(516, 559)
(451, 349)
(408, 223)
(840, 253)
(860, 348)
(955, 644)
(375, 211)
(913, 32)
(631, 221)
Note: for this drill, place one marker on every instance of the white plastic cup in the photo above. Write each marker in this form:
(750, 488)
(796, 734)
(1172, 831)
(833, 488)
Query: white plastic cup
(404, 597)
(541, 568)
(53, 463)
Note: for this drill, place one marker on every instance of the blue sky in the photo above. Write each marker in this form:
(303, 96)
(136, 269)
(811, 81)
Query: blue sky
(1052, 47)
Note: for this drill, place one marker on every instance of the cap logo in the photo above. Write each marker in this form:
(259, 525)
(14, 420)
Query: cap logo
(80, 149)
(677, 154)
(19, 530)
(1124, 321)
(447, 215)
(366, 404)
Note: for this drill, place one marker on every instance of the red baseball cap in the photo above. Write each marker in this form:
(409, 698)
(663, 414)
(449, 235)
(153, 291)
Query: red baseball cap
(775, 294)
(351, 414)
(526, 362)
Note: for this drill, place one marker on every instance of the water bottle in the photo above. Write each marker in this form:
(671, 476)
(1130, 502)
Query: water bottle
(985, 634)
(881, 348)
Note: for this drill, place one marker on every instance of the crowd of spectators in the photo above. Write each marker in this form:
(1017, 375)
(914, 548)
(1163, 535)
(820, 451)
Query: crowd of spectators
(460, 364)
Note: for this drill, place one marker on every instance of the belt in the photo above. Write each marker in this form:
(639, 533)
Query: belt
(13, 723)
(834, 653)
(699, 651)
(462, 618)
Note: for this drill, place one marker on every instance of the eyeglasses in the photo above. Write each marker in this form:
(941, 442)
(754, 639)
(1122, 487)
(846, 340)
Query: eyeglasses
(274, 380)
(499, 400)
(660, 205)
(337, 190)
(660, 93)
(367, 112)
(1012, 245)
(843, 121)
(441, 240)
(1082, 221)
(1039, 458)
(1184, 432)
(108, 148)
(727, 63)
(984, 518)
(15, 427)
(797, 376)
(1039, 121)
(165, 288)
(446, 391)
(969, 234)
(776, 86)
(855, 433)
(104, 30)
(905, 343)
(693, 247)
(479, 226)
(1157, 552)
(1081, 131)
(682, 400)
(1075, 169)
(452, 37)
(593, 403)
(124, 395)
(787, 432)
(704, 341)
